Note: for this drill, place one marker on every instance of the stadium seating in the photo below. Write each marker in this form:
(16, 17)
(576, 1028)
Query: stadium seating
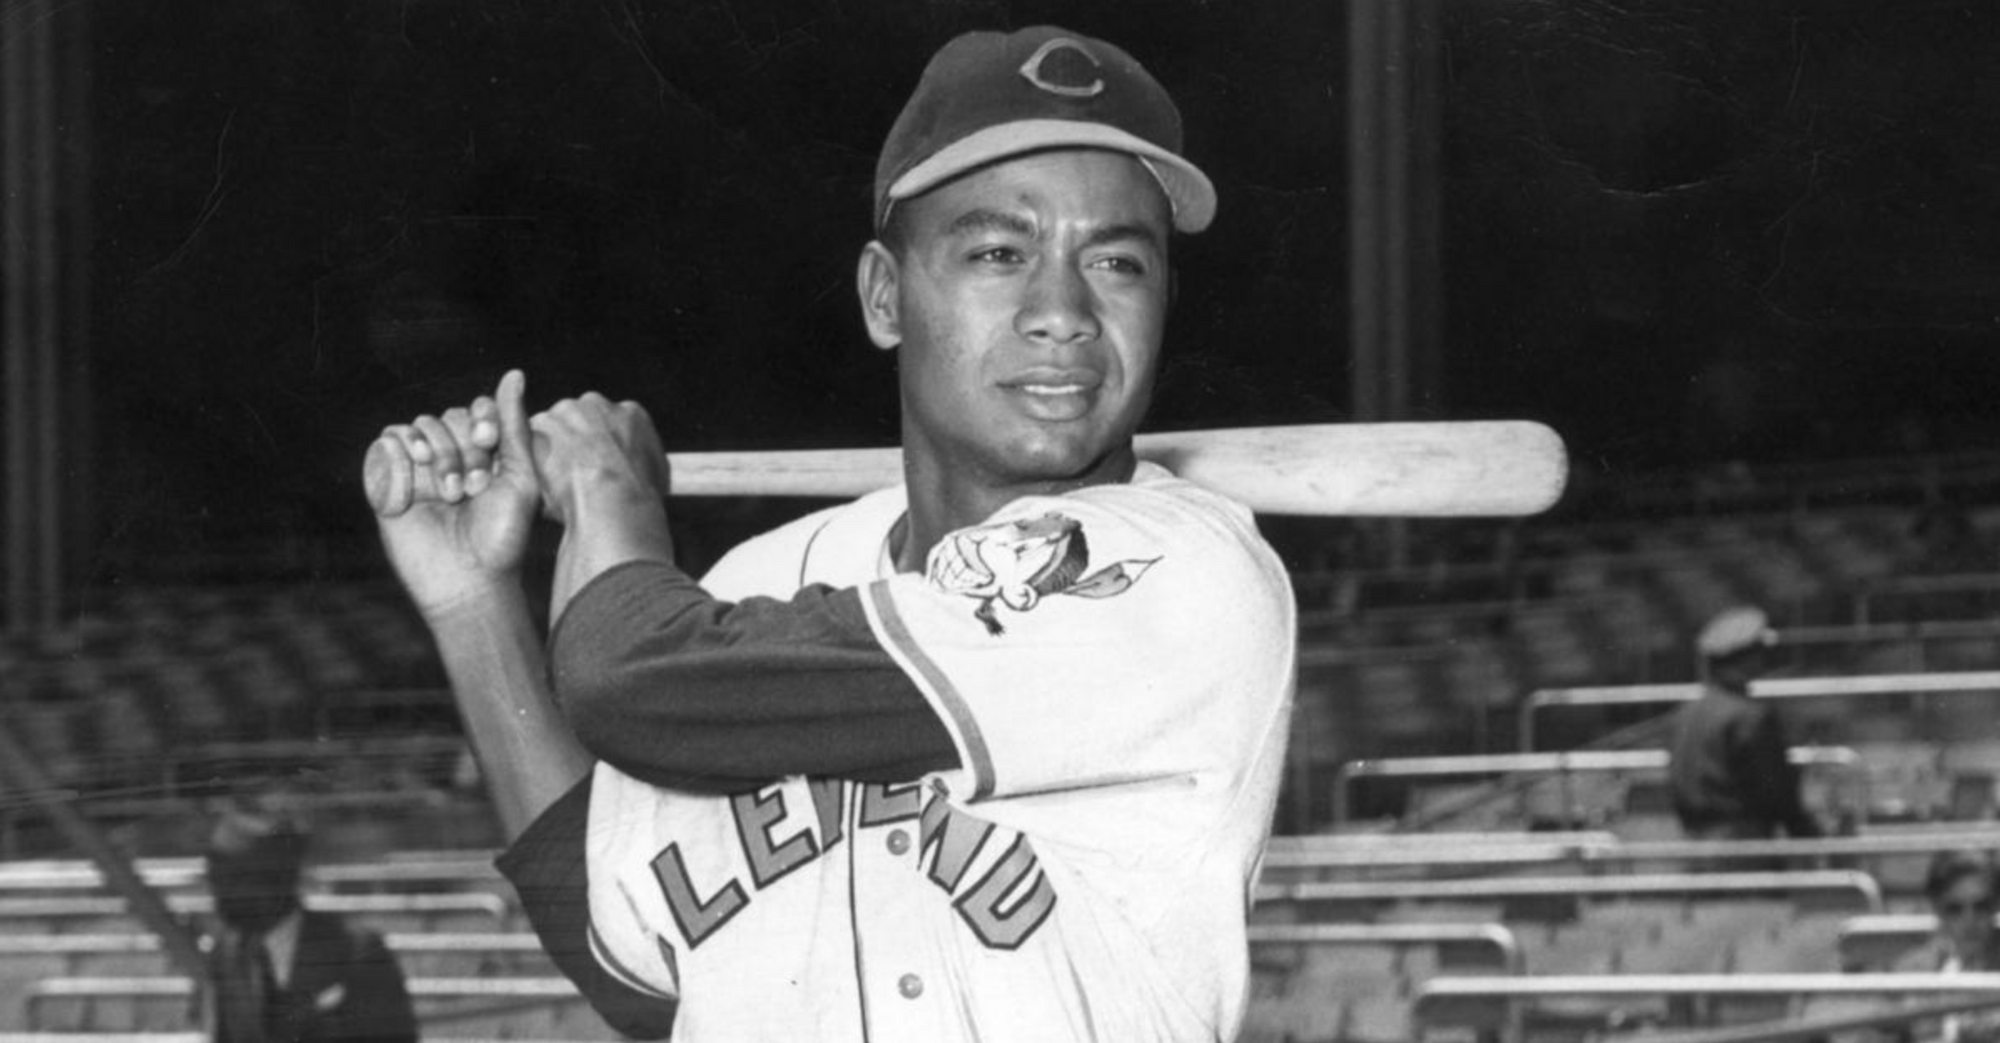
(160, 1003)
(1499, 1004)
(72, 959)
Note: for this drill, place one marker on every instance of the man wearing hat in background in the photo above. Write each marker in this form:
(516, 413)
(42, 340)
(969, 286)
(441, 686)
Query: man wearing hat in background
(990, 755)
(279, 973)
(1731, 774)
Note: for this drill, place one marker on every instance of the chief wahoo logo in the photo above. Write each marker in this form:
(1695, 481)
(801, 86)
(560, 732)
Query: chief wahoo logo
(1019, 563)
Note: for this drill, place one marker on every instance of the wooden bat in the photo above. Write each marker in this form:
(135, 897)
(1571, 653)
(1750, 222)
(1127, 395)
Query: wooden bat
(1469, 468)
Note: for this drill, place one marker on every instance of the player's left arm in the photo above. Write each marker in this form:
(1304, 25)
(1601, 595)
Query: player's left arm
(1147, 634)
(676, 688)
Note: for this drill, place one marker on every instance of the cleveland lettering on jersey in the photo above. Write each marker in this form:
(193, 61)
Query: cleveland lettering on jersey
(1002, 906)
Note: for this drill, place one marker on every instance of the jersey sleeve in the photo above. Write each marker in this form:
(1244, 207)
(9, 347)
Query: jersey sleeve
(546, 866)
(680, 689)
(1116, 636)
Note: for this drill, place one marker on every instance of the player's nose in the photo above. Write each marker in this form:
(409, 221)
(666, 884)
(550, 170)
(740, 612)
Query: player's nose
(1058, 306)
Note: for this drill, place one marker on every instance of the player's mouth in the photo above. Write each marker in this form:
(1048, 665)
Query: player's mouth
(1055, 396)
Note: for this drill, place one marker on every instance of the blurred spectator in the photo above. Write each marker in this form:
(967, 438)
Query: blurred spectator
(1961, 889)
(1944, 541)
(277, 972)
(1731, 774)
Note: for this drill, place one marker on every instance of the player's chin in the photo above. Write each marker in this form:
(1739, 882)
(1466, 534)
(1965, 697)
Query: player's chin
(1069, 453)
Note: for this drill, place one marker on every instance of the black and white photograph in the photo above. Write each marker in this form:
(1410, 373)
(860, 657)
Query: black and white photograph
(1196, 521)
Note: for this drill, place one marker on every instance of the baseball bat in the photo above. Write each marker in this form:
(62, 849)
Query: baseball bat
(1438, 469)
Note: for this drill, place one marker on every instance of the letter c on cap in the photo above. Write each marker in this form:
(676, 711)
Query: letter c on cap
(1031, 69)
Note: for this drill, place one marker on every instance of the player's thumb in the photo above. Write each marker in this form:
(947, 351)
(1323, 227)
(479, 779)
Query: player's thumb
(516, 449)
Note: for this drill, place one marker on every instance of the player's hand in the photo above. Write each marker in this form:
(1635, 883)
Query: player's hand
(455, 497)
(598, 460)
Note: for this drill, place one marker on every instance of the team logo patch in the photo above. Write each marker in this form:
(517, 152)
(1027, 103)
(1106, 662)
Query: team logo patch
(1017, 564)
(1064, 66)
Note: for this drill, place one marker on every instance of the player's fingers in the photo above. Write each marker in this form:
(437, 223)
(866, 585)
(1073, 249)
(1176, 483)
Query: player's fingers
(446, 462)
(564, 410)
(413, 440)
(485, 433)
(646, 443)
(485, 421)
(474, 459)
(410, 441)
(539, 440)
(638, 426)
(542, 431)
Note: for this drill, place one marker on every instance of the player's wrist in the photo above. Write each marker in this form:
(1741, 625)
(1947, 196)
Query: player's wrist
(625, 513)
(470, 599)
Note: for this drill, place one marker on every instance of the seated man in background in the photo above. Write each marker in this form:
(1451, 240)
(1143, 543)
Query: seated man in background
(1960, 886)
(277, 972)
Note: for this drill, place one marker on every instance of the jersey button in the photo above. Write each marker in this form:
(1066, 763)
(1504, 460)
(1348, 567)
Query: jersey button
(899, 842)
(910, 986)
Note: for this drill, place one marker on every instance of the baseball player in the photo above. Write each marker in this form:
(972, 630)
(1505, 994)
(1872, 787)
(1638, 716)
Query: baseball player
(991, 755)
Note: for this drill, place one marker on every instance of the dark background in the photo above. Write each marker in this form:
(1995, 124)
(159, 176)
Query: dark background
(1680, 232)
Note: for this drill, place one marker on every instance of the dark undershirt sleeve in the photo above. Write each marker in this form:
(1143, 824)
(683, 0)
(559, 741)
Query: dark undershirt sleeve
(546, 866)
(679, 689)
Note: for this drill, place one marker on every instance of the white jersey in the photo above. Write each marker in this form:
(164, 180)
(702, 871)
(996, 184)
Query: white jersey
(1115, 669)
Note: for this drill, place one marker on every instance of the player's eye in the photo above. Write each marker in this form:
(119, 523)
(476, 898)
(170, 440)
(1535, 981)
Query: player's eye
(996, 255)
(1121, 263)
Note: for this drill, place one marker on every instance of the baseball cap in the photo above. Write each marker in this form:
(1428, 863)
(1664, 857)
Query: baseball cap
(987, 95)
(1734, 631)
(256, 830)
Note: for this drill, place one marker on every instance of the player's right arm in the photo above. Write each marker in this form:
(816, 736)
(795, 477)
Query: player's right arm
(460, 558)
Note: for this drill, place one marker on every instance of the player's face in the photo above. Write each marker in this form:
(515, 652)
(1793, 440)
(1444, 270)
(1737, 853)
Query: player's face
(1028, 306)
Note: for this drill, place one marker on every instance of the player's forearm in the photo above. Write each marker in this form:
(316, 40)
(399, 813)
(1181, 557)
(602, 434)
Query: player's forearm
(493, 656)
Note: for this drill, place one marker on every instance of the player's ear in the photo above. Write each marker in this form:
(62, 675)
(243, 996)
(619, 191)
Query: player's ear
(875, 279)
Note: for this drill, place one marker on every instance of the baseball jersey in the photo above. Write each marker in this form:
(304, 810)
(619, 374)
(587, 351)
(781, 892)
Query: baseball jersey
(1114, 667)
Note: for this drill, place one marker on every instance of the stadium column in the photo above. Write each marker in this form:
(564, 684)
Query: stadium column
(1392, 210)
(44, 345)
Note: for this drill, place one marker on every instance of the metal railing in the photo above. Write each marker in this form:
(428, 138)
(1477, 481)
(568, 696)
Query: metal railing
(1458, 944)
(1820, 887)
(70, 906)
(470, 868)
(1836, 686)
(1562, 766)
(1598, 850)
(1493, 1003)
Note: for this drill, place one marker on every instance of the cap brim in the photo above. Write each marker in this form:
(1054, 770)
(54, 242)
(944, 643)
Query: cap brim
(1188, 190)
